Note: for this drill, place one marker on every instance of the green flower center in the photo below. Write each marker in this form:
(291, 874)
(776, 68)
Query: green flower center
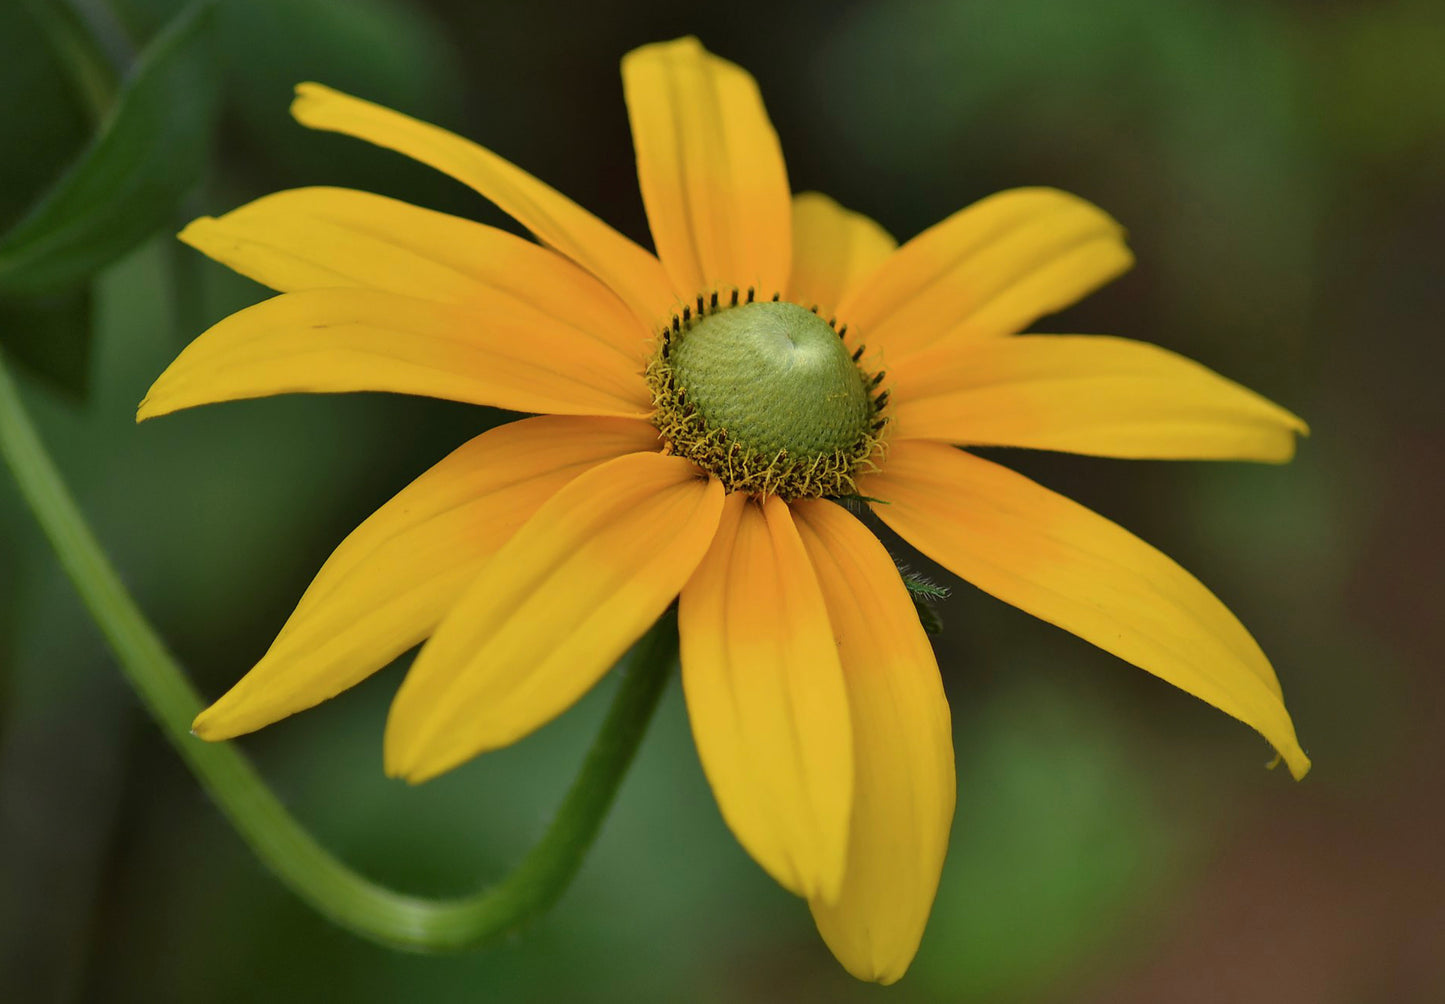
(766, 397)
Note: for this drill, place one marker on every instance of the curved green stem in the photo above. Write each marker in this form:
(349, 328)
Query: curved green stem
(291, 853)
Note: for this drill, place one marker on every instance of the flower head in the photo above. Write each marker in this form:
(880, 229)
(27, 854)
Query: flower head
(699, 412)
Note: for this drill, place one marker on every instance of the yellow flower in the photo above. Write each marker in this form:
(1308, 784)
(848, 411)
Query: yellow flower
(698, 410)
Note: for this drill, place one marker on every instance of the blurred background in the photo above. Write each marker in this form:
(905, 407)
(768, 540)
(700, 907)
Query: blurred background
(1279, 166)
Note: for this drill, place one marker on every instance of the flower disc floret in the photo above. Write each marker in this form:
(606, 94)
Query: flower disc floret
(766, 397)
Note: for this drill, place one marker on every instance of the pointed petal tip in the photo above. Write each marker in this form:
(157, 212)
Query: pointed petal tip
(409, 765)
(410, 778)
(238, 712)
(150, 407)
(188, 234)
(221, 721)
(307, 94)
(1289, 420)
(1292, 429)
(1297, 760)
(870, 963)
(394, 768)
(410, 755)
(1281, 448)
(1124, 255)
(393, 762)
(204, 727)
(883, 975)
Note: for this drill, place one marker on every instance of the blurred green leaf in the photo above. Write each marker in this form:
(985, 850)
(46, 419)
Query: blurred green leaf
(388, 51)
(1057, 842)
(127, 184)
(42, 132)
(1382, 82)
(92, 73)
(50, 336)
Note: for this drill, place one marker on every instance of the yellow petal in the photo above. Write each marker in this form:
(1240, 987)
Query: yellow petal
(1057, 560)
(1108, 397)
(904, 783)
(337, 340)
(626, 268)
(552, 611)
(990, 269)
(766, 698)
(711, 170)
(833, 250)
(319, 238)
(393, 579)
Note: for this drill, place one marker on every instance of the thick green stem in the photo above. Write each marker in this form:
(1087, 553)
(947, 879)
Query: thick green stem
(291, 853)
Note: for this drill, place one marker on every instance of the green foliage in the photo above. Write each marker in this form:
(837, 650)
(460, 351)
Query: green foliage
(127, 184)
(150, 150)
(377, 49)
(1057, 830)
(47, 128)
(92, 73)
(1385, 92)
(50, 334)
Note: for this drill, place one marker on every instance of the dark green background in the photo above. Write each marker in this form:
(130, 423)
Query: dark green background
(1281, 168)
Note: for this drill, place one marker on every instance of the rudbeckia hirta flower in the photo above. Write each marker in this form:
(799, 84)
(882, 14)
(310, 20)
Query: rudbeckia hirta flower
(699, 413)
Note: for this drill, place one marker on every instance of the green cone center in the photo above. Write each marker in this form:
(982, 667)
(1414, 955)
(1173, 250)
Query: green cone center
(776, 377)
(765, 397)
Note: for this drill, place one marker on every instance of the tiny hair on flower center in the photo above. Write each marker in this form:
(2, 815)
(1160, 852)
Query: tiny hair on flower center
(765, 396)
